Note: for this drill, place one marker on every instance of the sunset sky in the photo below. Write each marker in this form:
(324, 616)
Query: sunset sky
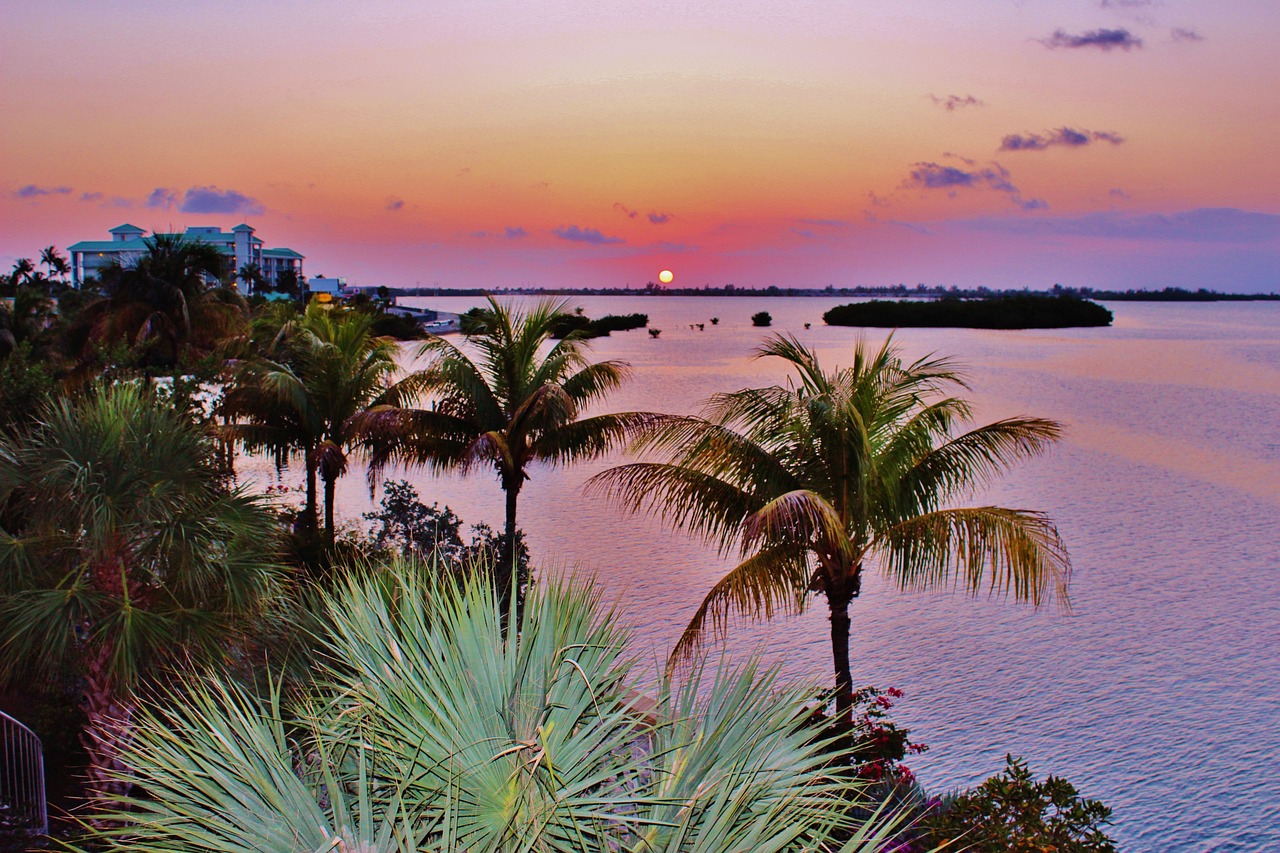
(1101, 143)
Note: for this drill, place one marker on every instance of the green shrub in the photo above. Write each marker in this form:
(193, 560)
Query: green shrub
(761, 318)
(1013, 813)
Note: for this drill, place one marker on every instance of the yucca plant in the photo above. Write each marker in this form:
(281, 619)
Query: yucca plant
(429, 728)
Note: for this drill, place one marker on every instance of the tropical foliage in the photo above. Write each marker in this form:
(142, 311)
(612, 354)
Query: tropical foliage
(168, 303)
(433, 729)
(404, 526)
(508, 403)
(838, 472)
(121, 553)
(1013, 813)
(321, 369)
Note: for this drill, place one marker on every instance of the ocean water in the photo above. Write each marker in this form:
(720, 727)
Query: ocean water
(1158, 692)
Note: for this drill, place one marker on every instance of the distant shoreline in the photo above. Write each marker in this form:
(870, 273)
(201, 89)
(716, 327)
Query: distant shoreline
(1169, 294)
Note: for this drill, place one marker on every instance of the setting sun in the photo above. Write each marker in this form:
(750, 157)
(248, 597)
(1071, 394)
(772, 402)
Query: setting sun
(666, 276)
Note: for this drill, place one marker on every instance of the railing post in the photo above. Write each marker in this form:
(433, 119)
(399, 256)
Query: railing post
(23, 805)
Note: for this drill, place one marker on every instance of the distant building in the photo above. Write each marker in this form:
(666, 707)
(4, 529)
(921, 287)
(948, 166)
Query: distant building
(241, 247)
(332, 286)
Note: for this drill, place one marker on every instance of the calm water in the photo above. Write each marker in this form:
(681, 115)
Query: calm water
(1159, 693)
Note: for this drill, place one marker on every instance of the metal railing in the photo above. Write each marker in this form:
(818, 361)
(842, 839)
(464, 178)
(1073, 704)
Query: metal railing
(23, 808)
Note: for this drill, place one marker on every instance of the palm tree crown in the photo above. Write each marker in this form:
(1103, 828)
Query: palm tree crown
(837, 471)
(327, 367)
(170, 300)
(121, 553)
(510, 405)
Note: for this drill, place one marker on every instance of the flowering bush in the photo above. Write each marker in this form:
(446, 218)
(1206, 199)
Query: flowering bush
(883, 742)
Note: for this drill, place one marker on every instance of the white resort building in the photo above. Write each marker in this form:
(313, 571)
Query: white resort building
(241, 247)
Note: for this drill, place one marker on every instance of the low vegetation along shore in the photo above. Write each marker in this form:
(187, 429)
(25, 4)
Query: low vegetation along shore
(1013, 311)
(217, 668)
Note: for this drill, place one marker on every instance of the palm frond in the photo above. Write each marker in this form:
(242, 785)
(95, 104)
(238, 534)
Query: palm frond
(770, 581)
(704, 505)
(1006, 550)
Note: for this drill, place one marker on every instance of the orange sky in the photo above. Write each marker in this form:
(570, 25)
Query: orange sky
(500, 143)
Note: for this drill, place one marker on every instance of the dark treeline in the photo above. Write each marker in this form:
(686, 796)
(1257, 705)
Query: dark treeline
(1019, 311)
(900, 291)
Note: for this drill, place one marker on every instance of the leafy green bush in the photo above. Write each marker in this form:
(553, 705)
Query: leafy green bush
(1013, 813)
(407, 527)
(761, 318)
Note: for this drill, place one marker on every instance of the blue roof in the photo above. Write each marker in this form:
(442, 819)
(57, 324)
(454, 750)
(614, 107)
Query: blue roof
(282, 253)
(137, 244)
(120, 229)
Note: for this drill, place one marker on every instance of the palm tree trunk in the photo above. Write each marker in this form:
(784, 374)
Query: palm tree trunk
(504, 572)
(108, 725)
(311, 514)
(838, 601)
(328, 513)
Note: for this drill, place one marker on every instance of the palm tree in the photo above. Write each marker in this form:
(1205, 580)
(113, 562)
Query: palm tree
(251, 274)
(431, 729)
(328, 367)
(25, 317)
(22, 269)
(168, 302)
(54, 262)
(121, 554)
(512, 405)
(837, 472)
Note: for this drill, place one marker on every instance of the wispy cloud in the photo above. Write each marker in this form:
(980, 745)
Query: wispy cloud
(36, 191)
(394, 203)
(951, 103)
(656, 218)
(1064, 137)
(210, 199)
(91, 196)
(1184, 34)
(162, 197)
(1126, 4)
(1103, 39)
(1203, 225)
(935, 176)
(625, 211)
(511, 232)
(576, 234)
(871, 217)
(825, 223)
(1116, 192)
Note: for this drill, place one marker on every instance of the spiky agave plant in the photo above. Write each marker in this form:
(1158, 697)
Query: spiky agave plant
(432, 730)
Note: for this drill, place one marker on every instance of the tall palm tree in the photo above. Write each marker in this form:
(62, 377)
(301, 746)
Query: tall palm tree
(170, 301)
(513, 404)
(838, 472)
(328, 367)
(121, 554)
